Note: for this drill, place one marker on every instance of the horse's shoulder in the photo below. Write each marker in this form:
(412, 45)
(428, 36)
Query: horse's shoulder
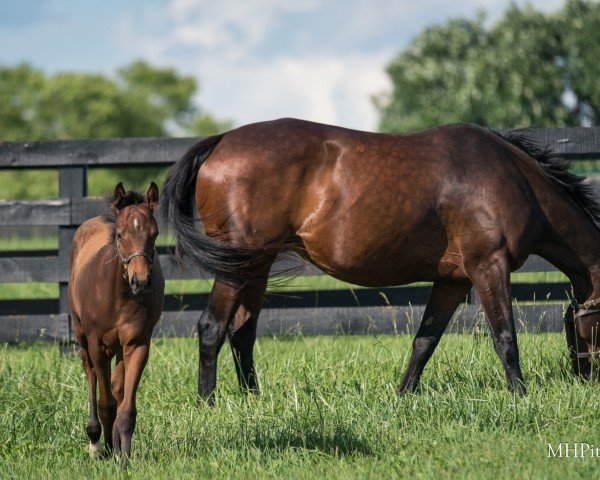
(92, 227)
(92, 235)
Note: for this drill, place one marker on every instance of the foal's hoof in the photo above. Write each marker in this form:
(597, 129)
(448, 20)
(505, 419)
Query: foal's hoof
(95, 450)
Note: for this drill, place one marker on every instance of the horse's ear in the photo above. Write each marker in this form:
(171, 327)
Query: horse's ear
(152, 196)
(119, 194)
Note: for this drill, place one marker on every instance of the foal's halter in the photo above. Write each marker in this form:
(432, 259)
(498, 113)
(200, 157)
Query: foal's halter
(588, 308)
(125, 260)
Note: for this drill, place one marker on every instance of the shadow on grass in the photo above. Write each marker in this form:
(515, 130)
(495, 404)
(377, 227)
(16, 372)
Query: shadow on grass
(337, 441)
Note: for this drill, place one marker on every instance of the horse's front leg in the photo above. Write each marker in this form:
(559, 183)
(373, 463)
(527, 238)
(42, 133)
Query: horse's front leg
(93, 429)
(135, 357)
(443, 301)
(491, 278)
(223, 303)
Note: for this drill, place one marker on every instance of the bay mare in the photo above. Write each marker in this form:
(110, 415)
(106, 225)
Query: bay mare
(116, 295)
(457, 205)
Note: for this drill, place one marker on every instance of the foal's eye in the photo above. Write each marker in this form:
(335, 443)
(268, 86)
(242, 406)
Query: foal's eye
(119, 236)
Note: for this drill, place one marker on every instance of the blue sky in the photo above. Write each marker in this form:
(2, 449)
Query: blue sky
(255, 59)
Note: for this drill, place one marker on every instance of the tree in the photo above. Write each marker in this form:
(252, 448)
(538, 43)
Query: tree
(519, 72)
(581, 37)
(140, 101)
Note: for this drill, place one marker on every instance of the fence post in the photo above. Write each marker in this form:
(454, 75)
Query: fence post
(72, 183)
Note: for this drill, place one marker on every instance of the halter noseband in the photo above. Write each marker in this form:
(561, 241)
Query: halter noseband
(125, 260)
(588, 308)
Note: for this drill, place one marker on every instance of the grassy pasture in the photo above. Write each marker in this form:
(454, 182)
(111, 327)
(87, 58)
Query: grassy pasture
(328, 409)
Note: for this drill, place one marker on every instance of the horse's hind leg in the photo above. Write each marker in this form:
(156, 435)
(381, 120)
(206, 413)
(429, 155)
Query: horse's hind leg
(223, 304)
(242, 334)
(443, 301)
(491, 279)
(94, 430)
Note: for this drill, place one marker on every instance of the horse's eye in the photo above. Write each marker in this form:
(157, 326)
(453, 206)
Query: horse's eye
(119, 236)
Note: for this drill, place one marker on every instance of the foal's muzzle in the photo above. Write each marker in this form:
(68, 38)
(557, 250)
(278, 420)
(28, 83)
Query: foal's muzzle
(139, 287)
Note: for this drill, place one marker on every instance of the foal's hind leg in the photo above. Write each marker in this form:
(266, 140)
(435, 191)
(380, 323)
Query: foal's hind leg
(491, 278)
(443, 301)
(242, 334)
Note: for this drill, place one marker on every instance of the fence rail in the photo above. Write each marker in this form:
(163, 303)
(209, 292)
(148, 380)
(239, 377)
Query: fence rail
(385, 310)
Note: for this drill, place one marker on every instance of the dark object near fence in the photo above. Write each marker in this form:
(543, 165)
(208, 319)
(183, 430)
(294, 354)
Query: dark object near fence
(378, 311)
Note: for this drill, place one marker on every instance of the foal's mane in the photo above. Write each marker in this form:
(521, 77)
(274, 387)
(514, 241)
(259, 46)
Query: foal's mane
(557, 169)
(110, 215)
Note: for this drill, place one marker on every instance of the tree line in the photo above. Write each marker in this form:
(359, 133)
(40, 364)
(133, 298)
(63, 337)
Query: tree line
(529, 68)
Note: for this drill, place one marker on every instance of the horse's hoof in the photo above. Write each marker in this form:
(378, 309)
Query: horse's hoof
(95, 450)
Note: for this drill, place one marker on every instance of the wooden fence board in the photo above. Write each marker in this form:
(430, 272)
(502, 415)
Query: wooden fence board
(56, 211)
(34, 328)
(94, 152)
(570, 142)
(367, 320)
(325, 312)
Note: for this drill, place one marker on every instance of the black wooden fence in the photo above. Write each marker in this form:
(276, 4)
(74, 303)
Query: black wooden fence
(383, 310)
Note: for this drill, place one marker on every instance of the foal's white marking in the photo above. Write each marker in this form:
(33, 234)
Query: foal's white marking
(136, 224)
(95, 449)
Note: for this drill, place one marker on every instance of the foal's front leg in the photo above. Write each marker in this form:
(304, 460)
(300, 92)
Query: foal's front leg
(134, 357)
(93, 429)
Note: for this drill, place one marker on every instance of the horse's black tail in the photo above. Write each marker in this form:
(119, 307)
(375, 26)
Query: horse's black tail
(224, 260)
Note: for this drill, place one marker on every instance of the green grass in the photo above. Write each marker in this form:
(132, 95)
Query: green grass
(328, 409)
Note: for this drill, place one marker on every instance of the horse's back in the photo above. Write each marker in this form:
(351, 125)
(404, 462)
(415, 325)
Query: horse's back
(89, 238)
(357, 199)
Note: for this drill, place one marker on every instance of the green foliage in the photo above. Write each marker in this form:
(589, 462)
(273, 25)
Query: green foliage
(514, 73)
(140, 101)
(328, 409)
(581, 36)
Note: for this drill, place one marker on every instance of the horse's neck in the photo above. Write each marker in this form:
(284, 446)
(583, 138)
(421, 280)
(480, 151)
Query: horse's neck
(114, 271)
(574, 249)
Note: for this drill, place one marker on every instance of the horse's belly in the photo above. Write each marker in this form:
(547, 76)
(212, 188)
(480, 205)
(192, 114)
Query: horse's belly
(371, 261)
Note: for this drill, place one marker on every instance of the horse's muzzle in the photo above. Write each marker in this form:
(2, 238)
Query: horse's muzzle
(139, 287)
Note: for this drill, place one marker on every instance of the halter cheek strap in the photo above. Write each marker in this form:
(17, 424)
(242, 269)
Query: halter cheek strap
(125, 260)
(587, 308)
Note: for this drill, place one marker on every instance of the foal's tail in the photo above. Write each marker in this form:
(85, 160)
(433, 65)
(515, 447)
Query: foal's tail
(224, 260)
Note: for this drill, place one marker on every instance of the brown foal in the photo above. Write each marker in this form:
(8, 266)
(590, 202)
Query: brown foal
(457, 205)
(116, 294)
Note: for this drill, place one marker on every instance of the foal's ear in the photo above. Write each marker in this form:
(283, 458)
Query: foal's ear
(119, 194)
(152, 196)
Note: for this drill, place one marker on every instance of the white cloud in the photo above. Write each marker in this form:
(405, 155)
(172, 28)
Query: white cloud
(322, 89)
(263, 59)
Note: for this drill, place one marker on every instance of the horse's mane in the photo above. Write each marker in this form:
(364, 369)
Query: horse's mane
(557, 169)
(110, 214)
